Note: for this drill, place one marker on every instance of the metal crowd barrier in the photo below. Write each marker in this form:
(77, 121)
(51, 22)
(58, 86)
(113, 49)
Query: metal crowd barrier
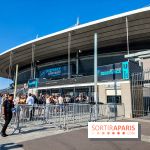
(111, 111)
(62, 116)
(77, 114)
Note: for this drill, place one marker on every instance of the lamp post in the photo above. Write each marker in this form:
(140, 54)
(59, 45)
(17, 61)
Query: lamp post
(95, 76)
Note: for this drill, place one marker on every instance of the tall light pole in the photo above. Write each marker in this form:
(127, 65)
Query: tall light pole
(95, 76)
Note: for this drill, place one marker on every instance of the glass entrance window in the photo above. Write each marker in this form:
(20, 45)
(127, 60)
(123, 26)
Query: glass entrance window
(68, 91)
(114, 99)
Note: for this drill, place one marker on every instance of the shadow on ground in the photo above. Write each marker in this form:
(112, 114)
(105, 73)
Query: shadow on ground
(9, 146)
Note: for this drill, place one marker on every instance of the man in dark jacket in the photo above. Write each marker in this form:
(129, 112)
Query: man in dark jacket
(7, 113)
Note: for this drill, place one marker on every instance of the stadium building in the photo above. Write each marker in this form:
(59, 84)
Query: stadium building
(63, 62)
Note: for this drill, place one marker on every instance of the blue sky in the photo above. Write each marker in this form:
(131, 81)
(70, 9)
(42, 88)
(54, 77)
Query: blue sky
(22, 20)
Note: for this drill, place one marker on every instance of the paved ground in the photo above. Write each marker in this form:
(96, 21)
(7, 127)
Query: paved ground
(49, 139)
(77, 140)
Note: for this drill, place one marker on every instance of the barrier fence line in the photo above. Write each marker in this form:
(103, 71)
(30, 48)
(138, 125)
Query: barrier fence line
(140, 90)
(62, 116)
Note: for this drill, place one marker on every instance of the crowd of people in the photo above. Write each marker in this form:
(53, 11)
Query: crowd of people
(8, 103)
(31, 99)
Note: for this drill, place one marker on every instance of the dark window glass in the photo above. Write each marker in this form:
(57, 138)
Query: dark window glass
(114, 99)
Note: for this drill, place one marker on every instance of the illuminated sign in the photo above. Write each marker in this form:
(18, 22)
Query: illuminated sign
(55, 72)
(33, 83)
(125, 70)
(114, 71)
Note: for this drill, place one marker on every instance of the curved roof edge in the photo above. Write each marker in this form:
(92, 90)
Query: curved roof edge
(79, 27)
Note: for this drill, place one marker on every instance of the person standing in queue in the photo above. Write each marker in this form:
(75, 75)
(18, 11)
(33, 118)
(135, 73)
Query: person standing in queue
(7, 107)
(30, 102)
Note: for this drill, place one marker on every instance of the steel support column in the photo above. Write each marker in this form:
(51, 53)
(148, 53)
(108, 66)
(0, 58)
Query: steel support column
(95, 76)
(33, 62)
(16, 78)
(69, 50)
(127, 32)
(77, 63)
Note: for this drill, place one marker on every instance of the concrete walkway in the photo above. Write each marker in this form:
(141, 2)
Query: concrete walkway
(77, 140)
(46, 138)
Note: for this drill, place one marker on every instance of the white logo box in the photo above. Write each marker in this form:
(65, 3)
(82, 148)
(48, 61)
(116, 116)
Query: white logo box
(113, 130)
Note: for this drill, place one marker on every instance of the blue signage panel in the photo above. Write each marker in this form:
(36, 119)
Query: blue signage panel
(114, 71)
(54, 72)
(33, 83)
(125, 70)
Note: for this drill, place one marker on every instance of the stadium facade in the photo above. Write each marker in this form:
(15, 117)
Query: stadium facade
(63, 62)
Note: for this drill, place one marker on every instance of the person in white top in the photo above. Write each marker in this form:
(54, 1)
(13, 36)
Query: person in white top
(30, 100)
(60, 100)
(47, 99)
(47, 106)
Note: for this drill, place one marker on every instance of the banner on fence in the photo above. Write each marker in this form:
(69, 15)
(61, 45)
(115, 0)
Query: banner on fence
(113, 130)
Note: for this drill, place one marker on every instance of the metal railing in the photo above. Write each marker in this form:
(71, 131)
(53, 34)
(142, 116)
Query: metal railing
(62, 116)
(140, 89)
